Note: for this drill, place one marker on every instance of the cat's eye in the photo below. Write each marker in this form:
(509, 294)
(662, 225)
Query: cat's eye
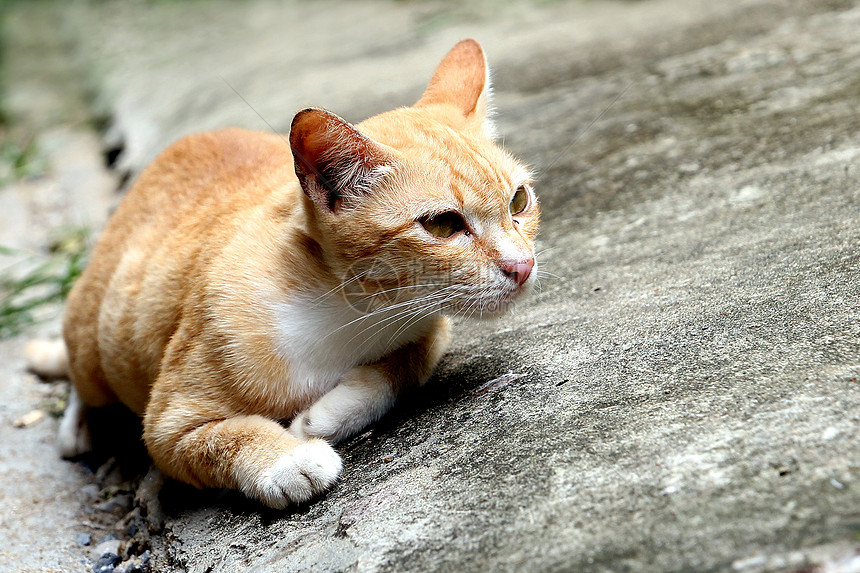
(444, 224)
(520, 202)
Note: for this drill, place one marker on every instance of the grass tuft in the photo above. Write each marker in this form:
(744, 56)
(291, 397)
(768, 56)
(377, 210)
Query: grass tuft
(19, 159)
(31, 284)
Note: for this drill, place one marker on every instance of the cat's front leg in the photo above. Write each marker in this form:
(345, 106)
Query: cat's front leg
(256, 455)
(367, 392)
(363, 396)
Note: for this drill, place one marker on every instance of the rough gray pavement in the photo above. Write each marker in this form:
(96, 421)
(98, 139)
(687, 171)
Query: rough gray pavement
(684, 392)
(45, 502)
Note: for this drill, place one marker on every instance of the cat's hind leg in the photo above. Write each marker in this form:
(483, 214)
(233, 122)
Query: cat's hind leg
(50, 359)
(74, 437)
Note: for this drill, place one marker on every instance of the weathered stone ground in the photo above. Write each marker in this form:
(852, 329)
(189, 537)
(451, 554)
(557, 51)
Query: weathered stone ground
(684, 392)
(47, 506)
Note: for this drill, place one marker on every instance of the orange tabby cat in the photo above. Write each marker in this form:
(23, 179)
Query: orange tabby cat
(244, 281)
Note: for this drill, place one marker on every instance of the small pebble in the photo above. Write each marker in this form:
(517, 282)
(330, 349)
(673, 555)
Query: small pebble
(90, 490)
(84, 538)
(136, 567)
(105, 547)
(138, 564)
(829, 433)
(107, 563)
(29, 419)
(120, 502)
(109, 536)
(749, 563)
(836, 483)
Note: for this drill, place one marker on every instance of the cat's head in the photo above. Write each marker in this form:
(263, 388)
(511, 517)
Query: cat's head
(418, 206)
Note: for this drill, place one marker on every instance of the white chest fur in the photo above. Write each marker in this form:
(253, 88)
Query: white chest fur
(321, 341)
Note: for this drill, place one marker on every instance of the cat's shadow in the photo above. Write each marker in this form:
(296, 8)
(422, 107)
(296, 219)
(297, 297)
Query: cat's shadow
(118, 442)
(460, 377)
(120, 462)
(117, 438)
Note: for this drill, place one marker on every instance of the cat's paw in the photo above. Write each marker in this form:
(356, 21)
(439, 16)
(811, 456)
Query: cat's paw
(360, 399)
(323, 424)
(47, 358)
(74, 438)
(306, 471)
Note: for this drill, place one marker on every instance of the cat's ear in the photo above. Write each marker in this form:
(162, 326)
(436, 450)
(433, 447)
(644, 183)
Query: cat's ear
(462, 79)
(335, 163)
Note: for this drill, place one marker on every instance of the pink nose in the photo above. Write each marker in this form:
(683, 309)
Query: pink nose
(519, 271)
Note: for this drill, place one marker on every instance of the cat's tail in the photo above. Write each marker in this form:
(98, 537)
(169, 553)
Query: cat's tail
(47, 358)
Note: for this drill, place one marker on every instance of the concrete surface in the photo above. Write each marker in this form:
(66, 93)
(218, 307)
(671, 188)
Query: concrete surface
(45, 502)
(683, 396)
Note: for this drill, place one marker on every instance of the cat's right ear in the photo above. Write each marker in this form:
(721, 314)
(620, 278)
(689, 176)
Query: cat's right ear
(462, 79)
(335, 163)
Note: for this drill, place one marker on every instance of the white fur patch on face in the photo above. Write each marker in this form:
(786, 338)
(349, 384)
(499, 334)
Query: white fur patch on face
(362, 397)
(308, 470)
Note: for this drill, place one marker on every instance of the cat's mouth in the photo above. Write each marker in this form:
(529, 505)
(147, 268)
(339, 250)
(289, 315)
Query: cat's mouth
(491, 303)
(383, 289)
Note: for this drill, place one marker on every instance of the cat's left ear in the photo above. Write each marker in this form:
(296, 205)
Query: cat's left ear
(462, 79)
(335, 163)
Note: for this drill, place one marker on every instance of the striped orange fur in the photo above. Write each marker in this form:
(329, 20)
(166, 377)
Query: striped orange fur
(248, 280)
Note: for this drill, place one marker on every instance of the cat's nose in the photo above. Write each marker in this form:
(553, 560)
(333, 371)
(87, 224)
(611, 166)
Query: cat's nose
(518, 270)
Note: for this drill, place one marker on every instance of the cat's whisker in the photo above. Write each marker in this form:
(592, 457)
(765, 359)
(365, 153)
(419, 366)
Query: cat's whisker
(434, 298)
(386, 308)
(419, 315)
(475, 307)
(471, 308)
(359, 276)
(410, 322)
(547, 273)
(275, 131)
(418, 300)
(368, 316)
(441, 305)
(394, 289)
(542, 251)
(405, 312)
(338, 287)
(437, 302)
(409, 315)
(375, 313)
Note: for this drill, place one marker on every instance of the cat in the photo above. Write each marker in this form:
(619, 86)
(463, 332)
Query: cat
(247, 280)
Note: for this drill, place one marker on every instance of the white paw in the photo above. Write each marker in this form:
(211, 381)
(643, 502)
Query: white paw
(308, 470)
(327, 424)
(361, 399)
(74, 436)
(47, 358)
